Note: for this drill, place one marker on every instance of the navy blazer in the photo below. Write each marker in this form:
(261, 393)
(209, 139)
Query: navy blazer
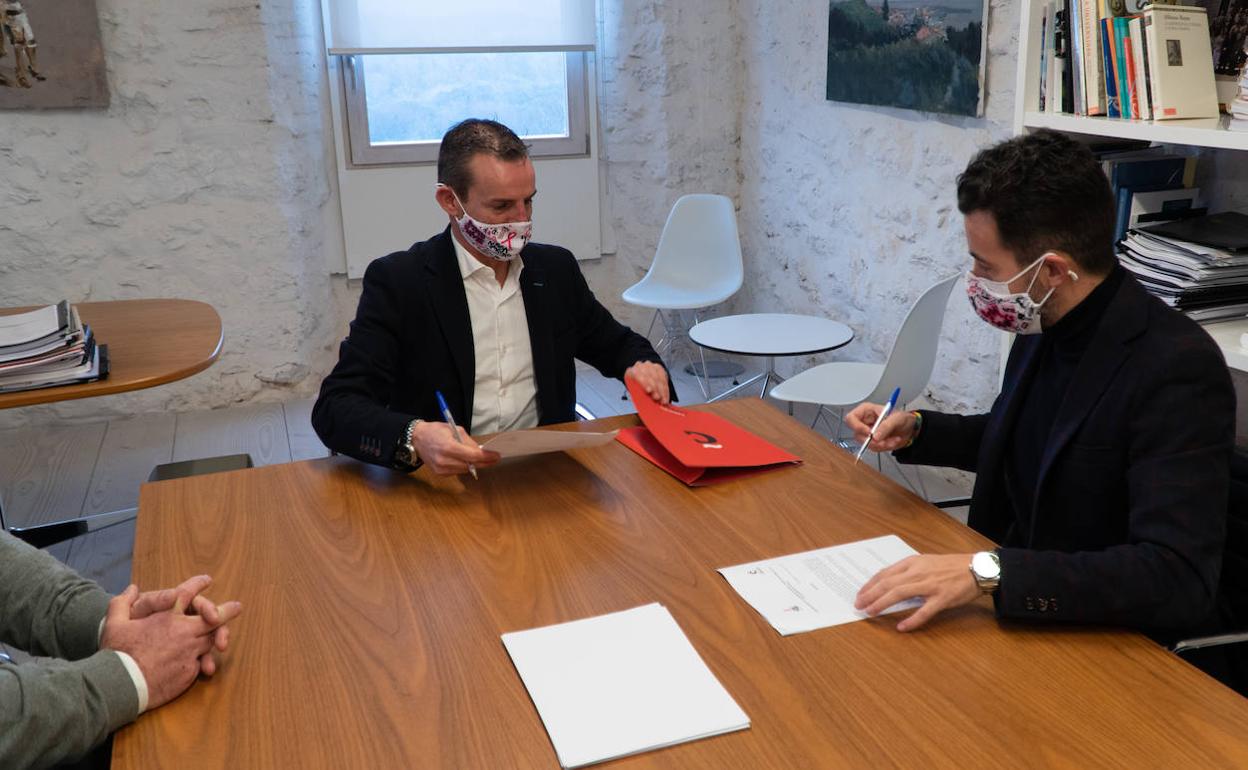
(412, 335)
(1130, 504)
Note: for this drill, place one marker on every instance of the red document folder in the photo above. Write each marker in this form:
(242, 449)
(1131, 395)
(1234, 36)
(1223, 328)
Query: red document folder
(698, 447)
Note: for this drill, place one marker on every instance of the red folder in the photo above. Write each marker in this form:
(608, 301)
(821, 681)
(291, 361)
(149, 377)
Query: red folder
(698, 447)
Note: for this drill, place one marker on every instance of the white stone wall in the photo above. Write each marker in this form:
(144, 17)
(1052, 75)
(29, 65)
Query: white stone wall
(850, 211)
(206, 178)
(210, 177)
(669, 95)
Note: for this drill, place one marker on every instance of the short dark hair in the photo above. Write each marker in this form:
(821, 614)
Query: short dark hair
(468, 138)
(1046, 192)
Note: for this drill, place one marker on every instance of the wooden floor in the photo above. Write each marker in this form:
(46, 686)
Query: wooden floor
(49, 474)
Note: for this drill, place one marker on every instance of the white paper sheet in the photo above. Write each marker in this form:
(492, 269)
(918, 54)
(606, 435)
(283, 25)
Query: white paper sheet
(29, 326)
(816, 589)
(517, 443)
(619, 684)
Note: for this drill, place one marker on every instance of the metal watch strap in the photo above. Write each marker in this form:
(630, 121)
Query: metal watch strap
(412, 459)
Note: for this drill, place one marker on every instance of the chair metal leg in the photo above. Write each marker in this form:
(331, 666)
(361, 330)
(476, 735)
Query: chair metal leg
(583, 413)
(44, 535)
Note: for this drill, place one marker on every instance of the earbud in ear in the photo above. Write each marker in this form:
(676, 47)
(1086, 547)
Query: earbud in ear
(1073, 275)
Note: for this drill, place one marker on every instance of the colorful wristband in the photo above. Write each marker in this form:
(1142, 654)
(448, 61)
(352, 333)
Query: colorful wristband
(918, 426)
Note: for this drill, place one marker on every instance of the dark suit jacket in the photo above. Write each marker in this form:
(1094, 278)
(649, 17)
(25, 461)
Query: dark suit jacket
(1130, 506)
(412, 335)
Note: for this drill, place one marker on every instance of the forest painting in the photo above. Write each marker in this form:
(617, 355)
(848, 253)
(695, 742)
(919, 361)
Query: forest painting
(916, 54)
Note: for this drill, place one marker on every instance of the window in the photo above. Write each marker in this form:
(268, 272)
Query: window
(398, 106)
(412, 70)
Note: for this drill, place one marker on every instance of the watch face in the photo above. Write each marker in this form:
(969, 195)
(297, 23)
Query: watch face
(985, 566)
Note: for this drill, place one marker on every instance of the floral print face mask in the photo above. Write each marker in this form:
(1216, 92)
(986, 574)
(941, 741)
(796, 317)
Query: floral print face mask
(993, 302)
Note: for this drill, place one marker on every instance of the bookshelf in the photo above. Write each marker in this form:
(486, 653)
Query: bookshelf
(1207, 132)
(1198, 133)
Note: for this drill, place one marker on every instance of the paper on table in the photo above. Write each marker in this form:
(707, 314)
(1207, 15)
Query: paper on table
(517, 443)
(816, 589)
(32, 325)
(619, 684)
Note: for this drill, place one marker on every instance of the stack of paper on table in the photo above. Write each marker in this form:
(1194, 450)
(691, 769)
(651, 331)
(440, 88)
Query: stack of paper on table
(619, 684)
(698, 447)
(48, 346)
(816, 589)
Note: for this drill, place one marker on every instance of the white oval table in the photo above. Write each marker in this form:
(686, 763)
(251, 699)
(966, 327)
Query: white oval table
(769, 335)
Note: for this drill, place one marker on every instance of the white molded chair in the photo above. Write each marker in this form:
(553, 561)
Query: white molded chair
(842, 384)
(697, 264)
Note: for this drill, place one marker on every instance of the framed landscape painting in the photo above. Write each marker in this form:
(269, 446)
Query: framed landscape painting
(51, 55)
(915, 54)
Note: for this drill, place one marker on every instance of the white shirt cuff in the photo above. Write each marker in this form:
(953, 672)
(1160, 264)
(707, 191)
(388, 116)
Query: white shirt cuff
(140, 683)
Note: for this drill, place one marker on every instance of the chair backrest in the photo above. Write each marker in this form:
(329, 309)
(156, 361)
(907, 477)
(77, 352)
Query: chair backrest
(913, 356)
(1233, 585)
(700, 249)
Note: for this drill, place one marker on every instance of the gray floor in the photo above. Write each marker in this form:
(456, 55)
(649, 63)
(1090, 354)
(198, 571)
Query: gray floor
(48, 474)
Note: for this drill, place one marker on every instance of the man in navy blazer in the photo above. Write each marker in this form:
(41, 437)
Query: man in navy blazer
(477, 313)
(1102, 468)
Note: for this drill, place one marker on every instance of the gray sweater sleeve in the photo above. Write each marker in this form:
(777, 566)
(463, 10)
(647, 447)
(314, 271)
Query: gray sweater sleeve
(52, 710)
(45, 607)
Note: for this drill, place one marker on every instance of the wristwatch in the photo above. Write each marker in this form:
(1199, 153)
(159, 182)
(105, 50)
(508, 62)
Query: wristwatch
(986, 569)
(406, 453)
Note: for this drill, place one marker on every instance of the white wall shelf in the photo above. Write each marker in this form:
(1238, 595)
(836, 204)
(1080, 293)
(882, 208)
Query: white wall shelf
(1197, 132)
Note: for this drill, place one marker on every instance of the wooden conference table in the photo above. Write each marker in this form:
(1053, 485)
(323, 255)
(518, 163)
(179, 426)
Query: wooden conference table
(373, 605)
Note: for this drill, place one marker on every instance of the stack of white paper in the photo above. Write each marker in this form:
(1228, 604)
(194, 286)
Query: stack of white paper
(816, 589)
(620, 684)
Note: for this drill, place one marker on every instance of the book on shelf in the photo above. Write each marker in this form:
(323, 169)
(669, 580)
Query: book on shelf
(48, 346)
(1139, 49)
(1181, 62)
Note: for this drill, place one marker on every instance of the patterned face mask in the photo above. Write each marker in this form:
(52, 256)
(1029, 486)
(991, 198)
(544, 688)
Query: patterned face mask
(502, 241)
(1010, 312)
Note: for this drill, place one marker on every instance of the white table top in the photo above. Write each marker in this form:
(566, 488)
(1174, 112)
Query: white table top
(1227, 335)
(771, 334)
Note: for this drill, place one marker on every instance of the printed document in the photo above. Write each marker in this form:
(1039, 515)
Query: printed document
(620, 684)
(816, 589)
(517, 443)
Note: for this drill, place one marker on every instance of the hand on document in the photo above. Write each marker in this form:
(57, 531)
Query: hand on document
(895, 432)
(436, 444)
(653, 378)
(943, 581)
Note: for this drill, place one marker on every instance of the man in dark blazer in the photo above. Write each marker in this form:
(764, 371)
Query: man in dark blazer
(1102, 468)
(477, 313)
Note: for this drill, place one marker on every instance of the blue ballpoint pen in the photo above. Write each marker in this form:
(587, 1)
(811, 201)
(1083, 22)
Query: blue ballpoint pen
(446, 415)
(892, 402)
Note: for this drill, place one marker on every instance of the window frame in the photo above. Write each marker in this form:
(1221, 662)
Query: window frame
(361, 153)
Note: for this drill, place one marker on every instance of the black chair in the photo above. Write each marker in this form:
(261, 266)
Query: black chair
(1232, 591)
(45, 535)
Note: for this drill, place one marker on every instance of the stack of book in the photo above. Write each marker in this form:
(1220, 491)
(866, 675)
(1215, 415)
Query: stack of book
(1096, 59)
(1198, 265)
(46, 347)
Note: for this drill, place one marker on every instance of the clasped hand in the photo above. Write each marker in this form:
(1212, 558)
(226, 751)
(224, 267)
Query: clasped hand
(171, 634)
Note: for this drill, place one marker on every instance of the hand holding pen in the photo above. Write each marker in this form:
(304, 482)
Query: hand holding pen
(447, 450)
(880, 427)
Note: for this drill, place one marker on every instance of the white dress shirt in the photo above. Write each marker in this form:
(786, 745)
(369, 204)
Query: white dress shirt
(504, 395)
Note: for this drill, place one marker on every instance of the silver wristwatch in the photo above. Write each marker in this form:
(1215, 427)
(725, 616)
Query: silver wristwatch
(406, 453)
(986, 569)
